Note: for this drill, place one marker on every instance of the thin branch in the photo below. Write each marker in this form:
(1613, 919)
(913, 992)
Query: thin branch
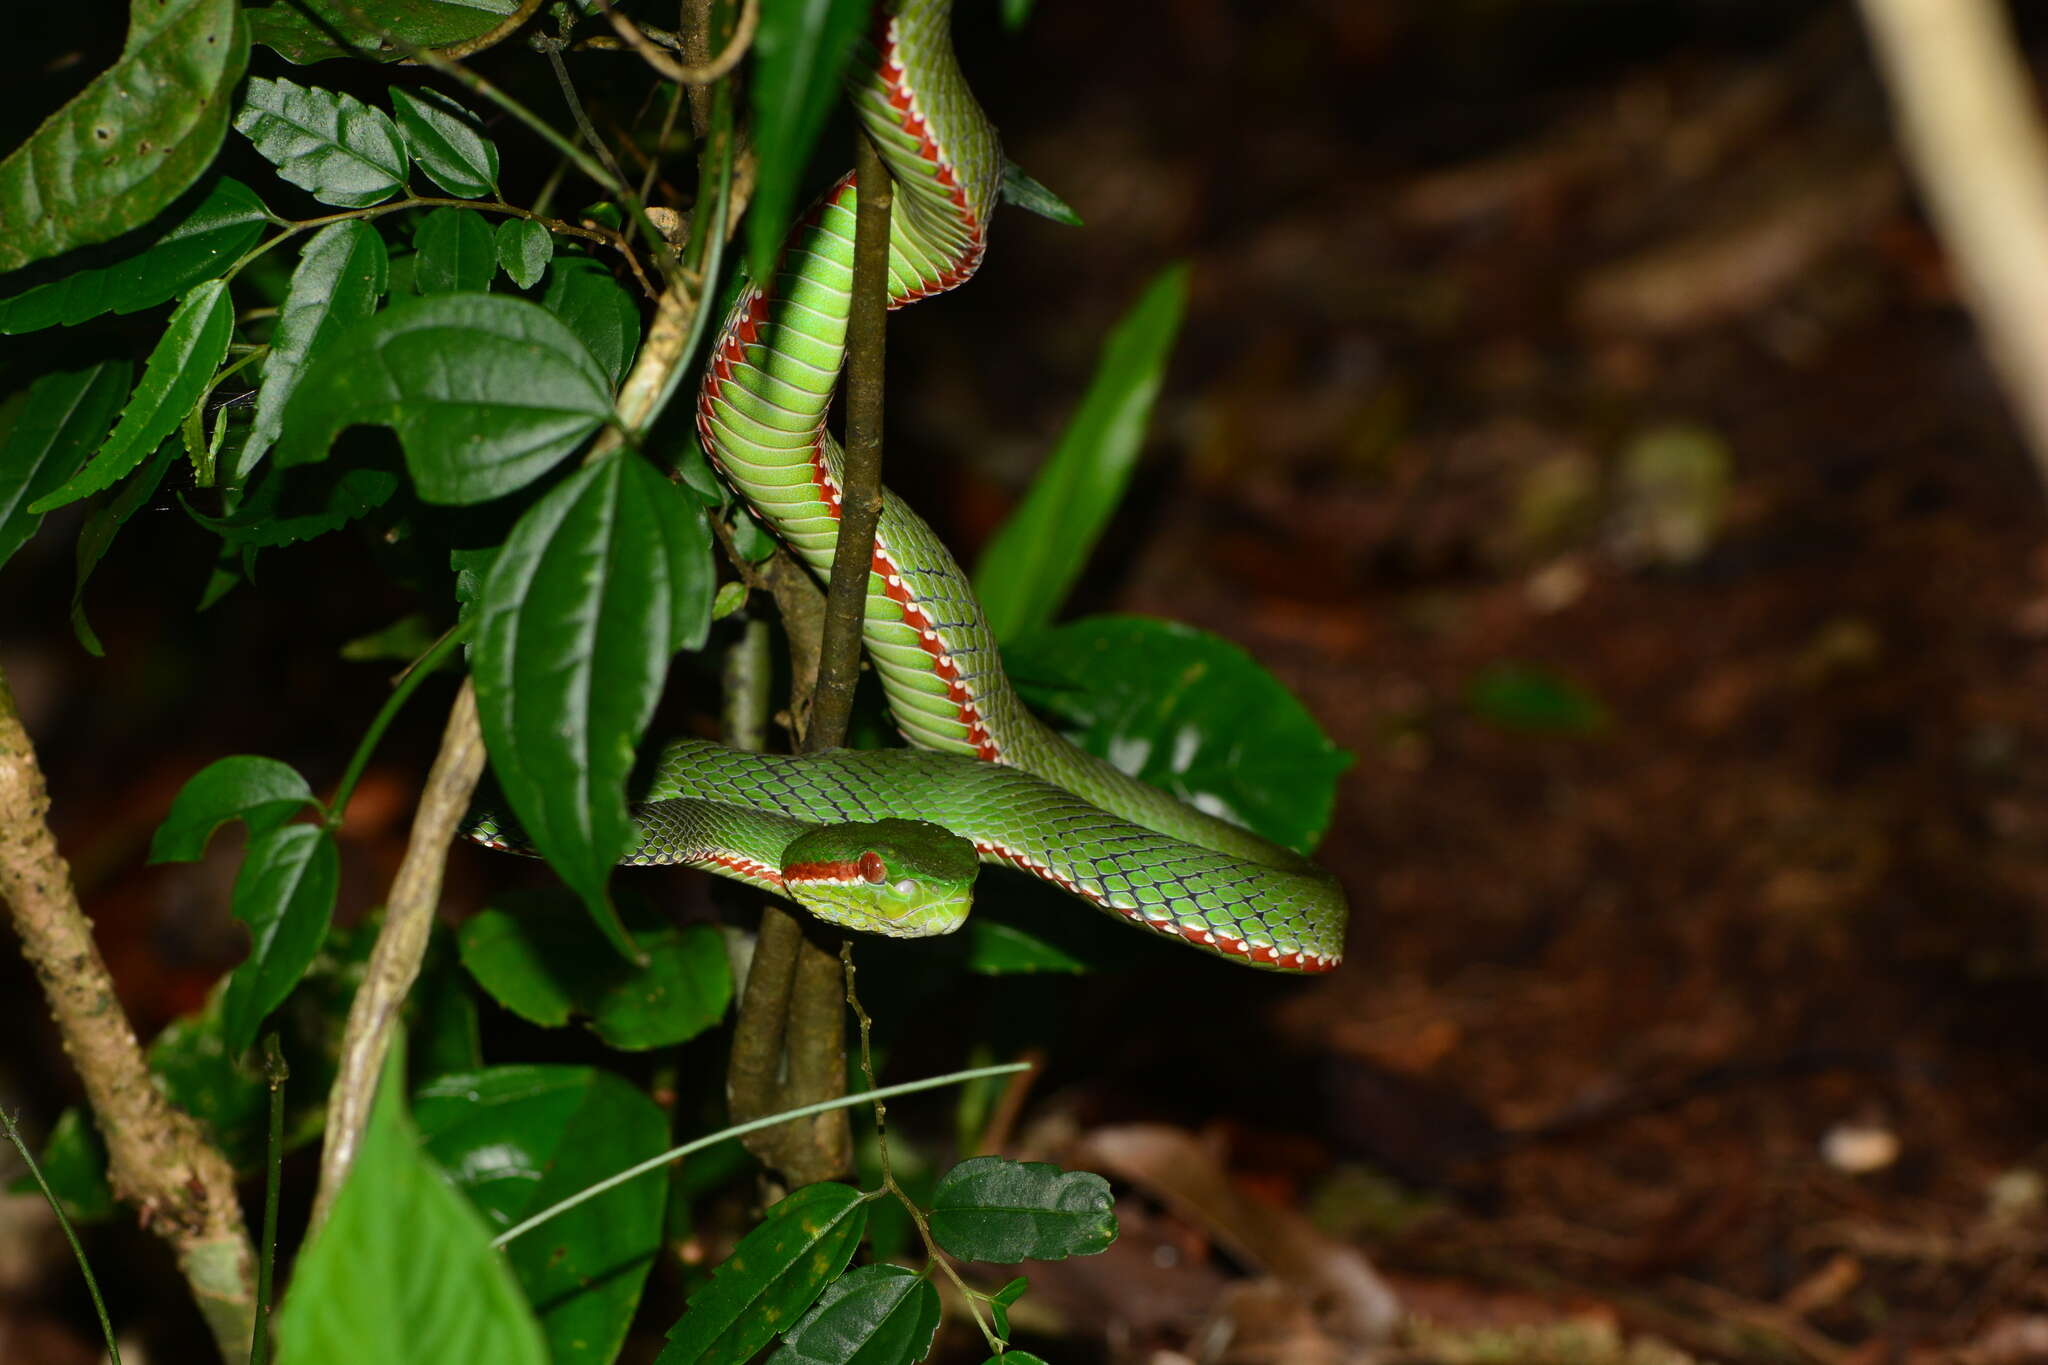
(812, 1030)
(1966, 113)
(92, 1284)
(401, 944)
(491, 38)
(275, 1074)
(703, 74)
(157, 1157)
(860, 494)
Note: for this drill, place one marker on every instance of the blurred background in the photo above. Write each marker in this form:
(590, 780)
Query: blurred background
(1575, 409)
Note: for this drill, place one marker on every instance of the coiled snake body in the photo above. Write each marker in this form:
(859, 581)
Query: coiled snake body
(989, 772)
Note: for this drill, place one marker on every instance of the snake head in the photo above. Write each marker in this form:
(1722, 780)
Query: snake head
(901, 878)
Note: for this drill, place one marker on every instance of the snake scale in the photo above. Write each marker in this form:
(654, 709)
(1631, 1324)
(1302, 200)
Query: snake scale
(889, 841)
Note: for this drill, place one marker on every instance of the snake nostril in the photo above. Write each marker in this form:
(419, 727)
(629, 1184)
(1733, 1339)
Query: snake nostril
(872, 867)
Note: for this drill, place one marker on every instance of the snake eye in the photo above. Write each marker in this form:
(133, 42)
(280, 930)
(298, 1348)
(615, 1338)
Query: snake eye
(872, 867)
(906, 887)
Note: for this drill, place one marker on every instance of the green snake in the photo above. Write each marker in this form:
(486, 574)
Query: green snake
(889, 841)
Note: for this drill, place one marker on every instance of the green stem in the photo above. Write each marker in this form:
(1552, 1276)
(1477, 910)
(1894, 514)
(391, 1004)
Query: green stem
(293, 227)
(740, 1130)
(275, 1073)
(917, 1217)
(337, 808)
(92, 1285)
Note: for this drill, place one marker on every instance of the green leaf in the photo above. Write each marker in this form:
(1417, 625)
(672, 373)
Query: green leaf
(176, 377)
(331, 145)
(446, 141)
(517, 1139)
(996, 948)
(729, 599)
(74, 1161)
(200, 247)
(1015, 12)
(261, 792)
(486, 392)
(340, 276)
(130, 143)
(66, 414)
(1534, 700)
(1000, 1301)
(97, 536)
(456, 253)
(989, 1208)
(524, 250)
(799, 52)
(403, 1272)
(876, 1315)
(1187, 711)
(285, 506)
(534, 954)
(579, 617)
(285, 894)
(1035, 556)
(1014, 1358)
(772, 1276)
(1027, 194)
(303, 31)
(583, 294)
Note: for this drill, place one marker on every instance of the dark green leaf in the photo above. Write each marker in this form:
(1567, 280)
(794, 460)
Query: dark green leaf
(285, 894)
(206, 242)
(97, 536)
(304, 31)
(996, 948)
(1027, 194)
(191, 1062)
(447, 142)
(534, 954)
(404, 639)
(1534, 700)
(524, 250)
(989, 1208)
(66, 414)
(1035, 556)
(577, 625)
(801, 48)
(284, 508)
(331, 145)
(1015, 12)
(261, 792)
(1014, 1358)
(1187, 711)
(486, 393)
(403, 1272)
(340, 276)
(518, 1139)
(456, 253)
(130, 143)
(74, 1161)
(1000, 1301)
(583, 294)
(876, 1315)
(772, 1276)
(176, 377)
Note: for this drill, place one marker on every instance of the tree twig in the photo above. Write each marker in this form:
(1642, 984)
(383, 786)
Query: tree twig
(860, 494)
(703, 73)
(1966, 113)
(157, 1157)
(498, 33)
(401, 944)
(792, 1020)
